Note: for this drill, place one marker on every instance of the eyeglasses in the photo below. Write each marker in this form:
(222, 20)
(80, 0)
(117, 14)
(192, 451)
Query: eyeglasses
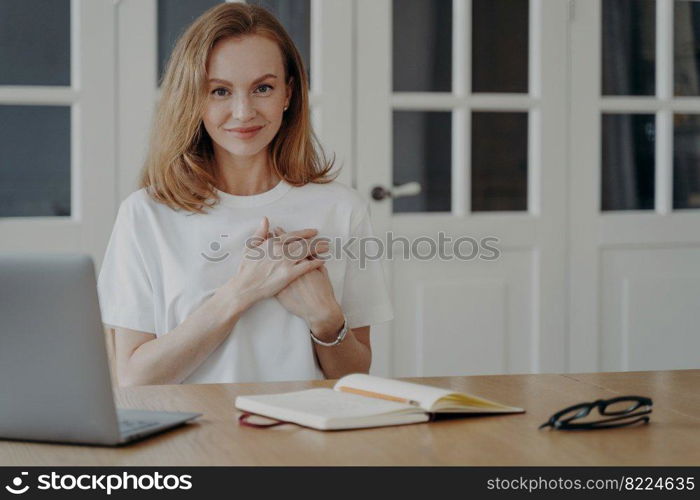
(622, 411)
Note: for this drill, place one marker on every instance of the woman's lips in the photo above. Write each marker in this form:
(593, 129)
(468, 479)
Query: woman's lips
(244, 133)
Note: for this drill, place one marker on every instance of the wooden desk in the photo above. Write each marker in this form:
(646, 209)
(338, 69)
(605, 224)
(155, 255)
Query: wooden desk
(672, 437)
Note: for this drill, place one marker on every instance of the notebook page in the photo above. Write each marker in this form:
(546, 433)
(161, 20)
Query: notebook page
(425, 395)
(320, 403)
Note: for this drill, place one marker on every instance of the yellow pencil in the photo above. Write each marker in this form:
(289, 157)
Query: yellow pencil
(377, 395)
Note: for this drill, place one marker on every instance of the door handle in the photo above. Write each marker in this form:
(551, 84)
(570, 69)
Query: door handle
(408, 189)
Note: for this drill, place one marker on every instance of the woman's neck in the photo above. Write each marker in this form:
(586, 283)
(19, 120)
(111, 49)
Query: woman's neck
(245, 176)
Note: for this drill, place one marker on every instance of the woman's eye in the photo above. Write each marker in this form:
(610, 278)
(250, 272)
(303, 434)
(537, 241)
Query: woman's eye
(265, 88)
(223, 92)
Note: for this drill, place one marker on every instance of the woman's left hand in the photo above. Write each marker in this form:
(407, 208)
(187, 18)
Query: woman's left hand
(311, 297)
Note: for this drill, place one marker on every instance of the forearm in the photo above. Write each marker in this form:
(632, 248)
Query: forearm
(171, 358)
(350, 356)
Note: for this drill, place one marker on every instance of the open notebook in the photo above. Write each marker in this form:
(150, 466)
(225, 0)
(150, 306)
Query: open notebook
(360, 400)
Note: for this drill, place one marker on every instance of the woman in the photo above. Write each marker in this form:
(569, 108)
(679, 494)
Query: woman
(232, 156)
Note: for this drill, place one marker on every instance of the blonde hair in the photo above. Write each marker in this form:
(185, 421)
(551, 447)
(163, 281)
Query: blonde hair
(180, 170)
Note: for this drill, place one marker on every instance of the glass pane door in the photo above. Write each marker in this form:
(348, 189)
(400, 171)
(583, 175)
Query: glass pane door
(35, 53)
(56, 125)
(461, 133)
(634, 183)
(436, 103)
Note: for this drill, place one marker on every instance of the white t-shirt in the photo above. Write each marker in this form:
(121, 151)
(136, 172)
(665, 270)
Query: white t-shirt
(162, 264)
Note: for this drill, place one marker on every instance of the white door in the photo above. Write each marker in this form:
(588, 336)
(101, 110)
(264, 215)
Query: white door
(57, 172)
(635, 185)
(148, 29)
(468, 99)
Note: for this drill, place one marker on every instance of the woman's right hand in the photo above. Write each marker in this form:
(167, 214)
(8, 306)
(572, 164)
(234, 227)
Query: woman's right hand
(267, 266)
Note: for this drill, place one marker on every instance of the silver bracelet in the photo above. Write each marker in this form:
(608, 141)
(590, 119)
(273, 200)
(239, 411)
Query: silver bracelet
(338, 340)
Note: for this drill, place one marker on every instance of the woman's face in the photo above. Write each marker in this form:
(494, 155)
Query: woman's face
(247, 94)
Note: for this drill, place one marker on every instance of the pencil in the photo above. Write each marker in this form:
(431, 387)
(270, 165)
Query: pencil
(377, 395)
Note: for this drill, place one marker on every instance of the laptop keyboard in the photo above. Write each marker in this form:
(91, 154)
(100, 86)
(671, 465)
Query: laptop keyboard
(128, 426)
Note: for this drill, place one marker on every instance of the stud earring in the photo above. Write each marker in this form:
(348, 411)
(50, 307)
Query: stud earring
(285, 108)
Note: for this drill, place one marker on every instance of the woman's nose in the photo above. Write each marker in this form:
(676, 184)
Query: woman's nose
(243, 109)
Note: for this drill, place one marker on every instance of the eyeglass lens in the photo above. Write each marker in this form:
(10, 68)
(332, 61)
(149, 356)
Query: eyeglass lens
(620, 407)
(574, 413)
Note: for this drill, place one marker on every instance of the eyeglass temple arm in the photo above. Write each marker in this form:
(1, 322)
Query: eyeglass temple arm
(604, 424)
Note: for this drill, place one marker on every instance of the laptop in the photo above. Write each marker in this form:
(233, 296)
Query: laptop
(55, 382)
